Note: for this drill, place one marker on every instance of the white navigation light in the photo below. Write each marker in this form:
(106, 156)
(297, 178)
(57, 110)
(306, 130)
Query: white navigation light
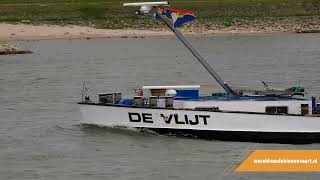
(171, 92)
(147, 7)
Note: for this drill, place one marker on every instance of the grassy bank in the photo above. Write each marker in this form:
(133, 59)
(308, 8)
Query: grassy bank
(111, 14)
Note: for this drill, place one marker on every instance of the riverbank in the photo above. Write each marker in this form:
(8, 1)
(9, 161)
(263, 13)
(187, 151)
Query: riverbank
(71, 19)
(111, 14)
(23, 31)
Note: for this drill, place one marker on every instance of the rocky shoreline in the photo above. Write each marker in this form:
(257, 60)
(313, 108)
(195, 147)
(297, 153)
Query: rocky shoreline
(267, 25)
(6, 49)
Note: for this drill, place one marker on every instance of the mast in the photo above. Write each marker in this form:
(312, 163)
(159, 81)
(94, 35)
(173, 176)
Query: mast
(195, 53)
(151, 8)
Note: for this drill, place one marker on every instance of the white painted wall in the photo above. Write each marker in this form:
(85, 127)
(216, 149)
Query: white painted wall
(118, 116)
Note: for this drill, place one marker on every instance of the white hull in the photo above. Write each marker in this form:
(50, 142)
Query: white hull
(186, 119)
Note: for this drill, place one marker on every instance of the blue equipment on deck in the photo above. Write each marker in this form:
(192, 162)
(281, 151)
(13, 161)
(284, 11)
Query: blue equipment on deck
(314, 105)
(192, 93)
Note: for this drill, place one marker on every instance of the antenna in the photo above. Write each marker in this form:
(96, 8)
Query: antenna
(151, 8)
(162, 3)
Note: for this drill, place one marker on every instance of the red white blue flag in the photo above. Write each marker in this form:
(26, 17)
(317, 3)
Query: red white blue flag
(179, 17)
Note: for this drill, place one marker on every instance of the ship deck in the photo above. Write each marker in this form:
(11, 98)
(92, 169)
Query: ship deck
(241, 98)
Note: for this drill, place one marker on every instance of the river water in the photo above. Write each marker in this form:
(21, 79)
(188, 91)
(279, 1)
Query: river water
(40, 135)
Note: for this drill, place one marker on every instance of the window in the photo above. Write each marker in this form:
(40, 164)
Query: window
(271, 110)
(277, 109)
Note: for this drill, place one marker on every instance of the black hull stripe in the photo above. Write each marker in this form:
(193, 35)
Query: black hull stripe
(238, 136)
(244, 136)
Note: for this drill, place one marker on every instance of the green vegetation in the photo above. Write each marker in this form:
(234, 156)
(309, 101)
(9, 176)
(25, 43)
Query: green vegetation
(111, 14)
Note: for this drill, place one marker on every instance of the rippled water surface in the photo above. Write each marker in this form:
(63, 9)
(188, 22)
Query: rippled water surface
(40, 135)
